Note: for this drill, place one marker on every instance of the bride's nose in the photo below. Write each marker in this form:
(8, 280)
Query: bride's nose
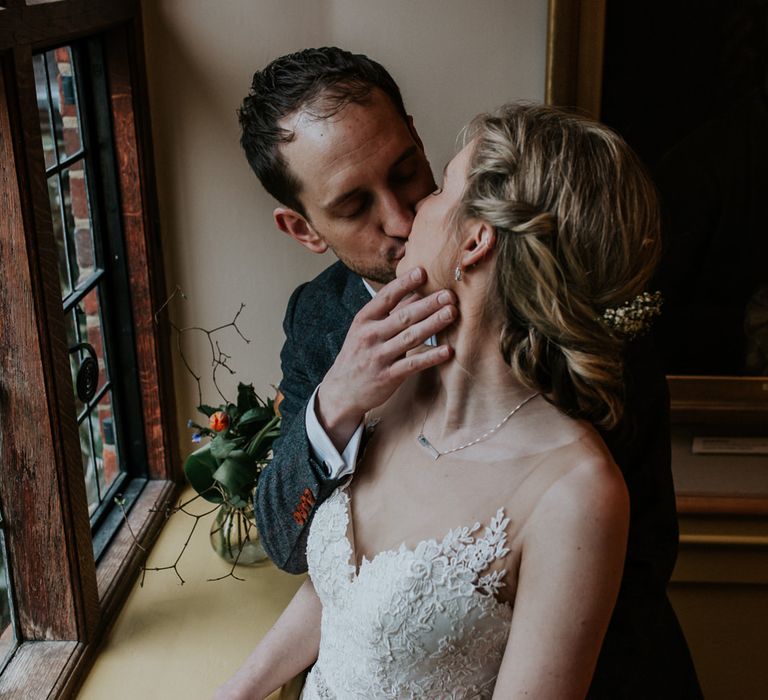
(420, 202)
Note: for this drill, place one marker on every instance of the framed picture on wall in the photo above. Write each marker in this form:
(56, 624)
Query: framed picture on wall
(693, 103)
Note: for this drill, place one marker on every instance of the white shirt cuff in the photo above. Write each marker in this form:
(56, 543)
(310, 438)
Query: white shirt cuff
(337, 465)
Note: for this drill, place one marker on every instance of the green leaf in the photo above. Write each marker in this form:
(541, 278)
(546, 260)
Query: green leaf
(246, 398)
(259, 445)
(238, 502)
(237, 474)
(221, 446)
(207, 410)
(199, 468)
(252, 415)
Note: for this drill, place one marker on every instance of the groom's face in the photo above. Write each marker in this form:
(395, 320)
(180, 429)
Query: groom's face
(361, 173)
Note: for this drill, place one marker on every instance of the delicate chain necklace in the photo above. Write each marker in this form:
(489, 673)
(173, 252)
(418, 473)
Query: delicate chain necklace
(429, 447)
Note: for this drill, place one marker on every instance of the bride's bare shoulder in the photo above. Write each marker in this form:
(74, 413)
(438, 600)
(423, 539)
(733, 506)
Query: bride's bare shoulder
(545, 432)
(574, 466)
(587, 491)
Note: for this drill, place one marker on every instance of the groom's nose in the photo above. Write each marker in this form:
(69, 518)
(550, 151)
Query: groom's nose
(396, 216)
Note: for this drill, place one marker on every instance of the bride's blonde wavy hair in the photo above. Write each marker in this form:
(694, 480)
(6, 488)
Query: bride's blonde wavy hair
(577, 231)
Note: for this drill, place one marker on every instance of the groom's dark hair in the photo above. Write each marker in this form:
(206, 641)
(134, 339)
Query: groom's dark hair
(322, 81)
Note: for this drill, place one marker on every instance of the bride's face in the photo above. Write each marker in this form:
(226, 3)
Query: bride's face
(431, 243)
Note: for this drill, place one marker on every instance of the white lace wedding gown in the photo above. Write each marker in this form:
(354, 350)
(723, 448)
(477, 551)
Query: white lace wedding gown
(412, 623)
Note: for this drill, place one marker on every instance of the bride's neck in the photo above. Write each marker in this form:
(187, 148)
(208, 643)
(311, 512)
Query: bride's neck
(476, 389)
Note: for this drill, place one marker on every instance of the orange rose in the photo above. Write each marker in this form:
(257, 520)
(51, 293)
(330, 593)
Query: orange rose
(278, 400)
(219, 421)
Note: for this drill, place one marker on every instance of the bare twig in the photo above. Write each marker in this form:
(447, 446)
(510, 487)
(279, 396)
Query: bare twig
(237, 559)
(168, 511)
(219, 359)
(177, 291)
(120, 501)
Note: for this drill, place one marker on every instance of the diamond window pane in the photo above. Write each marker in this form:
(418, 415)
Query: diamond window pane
(78, 220)
(54, 197)
(98, 445)
(104, 443)
(43, 106)
(89, 465)
(61, 79)
(89, 324)
(7, 631)
(75, 358)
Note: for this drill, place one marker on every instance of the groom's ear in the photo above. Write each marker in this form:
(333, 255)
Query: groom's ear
(298, 228)
(479, 243)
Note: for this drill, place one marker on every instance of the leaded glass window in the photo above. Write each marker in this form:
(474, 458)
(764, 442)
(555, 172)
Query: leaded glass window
(82, 196)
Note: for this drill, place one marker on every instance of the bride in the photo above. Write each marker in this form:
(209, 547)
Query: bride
(479, 548)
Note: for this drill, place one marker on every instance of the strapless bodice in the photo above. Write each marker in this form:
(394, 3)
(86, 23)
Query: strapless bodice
(418, 622)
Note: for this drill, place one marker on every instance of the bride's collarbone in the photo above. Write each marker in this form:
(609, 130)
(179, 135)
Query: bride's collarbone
(408, 498)
(387, 454)
(396, 475)
(424, 498)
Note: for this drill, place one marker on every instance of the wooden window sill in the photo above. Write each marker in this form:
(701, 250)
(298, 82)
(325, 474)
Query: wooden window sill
(54, 669)
(40, 670)
(183, 641)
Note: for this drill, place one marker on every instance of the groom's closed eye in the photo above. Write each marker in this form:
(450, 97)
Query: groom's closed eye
(406, 171)
(355, 206)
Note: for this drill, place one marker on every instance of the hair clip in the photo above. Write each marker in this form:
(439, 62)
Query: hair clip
(633, 317)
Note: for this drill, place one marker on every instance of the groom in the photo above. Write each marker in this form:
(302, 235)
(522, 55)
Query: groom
(328, 136)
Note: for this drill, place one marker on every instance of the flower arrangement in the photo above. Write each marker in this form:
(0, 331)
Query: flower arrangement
(226, 469)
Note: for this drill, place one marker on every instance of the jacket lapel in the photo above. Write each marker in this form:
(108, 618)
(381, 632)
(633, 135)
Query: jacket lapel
(353, 298)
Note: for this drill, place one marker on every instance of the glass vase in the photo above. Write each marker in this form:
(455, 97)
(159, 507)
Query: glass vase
(235, 538)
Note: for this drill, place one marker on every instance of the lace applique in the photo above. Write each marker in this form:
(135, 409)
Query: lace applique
(412, 623)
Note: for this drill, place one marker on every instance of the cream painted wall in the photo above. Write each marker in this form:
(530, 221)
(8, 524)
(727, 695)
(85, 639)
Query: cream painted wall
(452, 59)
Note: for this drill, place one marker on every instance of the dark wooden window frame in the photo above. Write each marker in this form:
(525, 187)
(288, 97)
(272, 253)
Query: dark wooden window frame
(64, 602)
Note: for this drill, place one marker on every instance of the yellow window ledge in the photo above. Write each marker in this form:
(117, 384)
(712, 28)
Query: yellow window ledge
(174, 641)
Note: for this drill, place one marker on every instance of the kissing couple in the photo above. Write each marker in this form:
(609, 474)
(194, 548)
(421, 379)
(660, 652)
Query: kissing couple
(474, 467)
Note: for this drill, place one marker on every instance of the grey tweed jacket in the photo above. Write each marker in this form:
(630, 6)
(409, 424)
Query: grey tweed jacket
(644, 654)
(316, 322)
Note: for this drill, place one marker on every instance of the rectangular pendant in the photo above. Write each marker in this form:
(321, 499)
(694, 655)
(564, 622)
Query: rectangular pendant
(427, 445)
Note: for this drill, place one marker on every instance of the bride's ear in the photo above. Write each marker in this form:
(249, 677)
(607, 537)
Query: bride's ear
(478, 244)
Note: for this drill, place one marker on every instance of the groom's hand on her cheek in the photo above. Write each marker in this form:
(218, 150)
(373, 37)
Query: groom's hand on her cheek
(373, 363)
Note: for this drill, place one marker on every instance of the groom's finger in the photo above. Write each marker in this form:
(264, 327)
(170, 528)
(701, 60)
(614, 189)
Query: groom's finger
(415, 308)
(439, 307)
(418, 361)
(417, 331)
(409, 299)
(390, 295)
